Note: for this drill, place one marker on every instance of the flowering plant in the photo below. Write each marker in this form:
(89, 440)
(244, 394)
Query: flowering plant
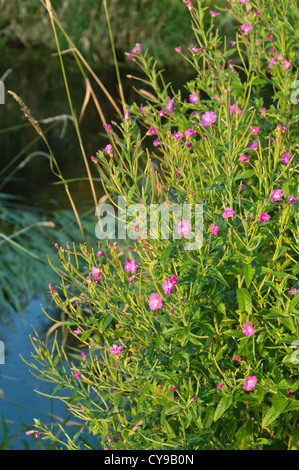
(192, 348)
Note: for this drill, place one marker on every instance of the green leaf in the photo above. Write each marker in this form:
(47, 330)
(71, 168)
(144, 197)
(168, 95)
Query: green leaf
(278, 405)
(244, 300)
(249, 272)
(222, 406)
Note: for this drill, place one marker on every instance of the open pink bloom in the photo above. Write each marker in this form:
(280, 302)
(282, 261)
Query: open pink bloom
(264, 217)
(184, 227)
(100, 253)
(96, 270)
(168, 285)
(214, 13)
(156, 142)
(193, 98)
(234, 109)
(229, 212)
(219, 386)
(177, 49)
(174, 389)
(249, 383)
(255, 130)
(243, 158)
(248, 329)
(77, 375)
(208, 118)
(243, 1)
(131, 266)
(293, 290)
(178, 135)
(291, 199)
(155, 301)
(246, 28)
(214, 229)
(277, 195)
(77, 331)
(237, 358)
(286, 64)
(116, 350)
(285, 158)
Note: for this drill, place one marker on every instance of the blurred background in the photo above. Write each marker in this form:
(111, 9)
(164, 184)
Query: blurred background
(35, 211)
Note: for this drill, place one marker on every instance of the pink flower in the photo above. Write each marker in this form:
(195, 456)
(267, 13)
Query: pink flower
(276, 195)
(194, 49)
(264, 217)
(96, 270)
(258, 12)
(243, 158)
(177, 49)
(219, 386)
(246, 28)
(263, 112)
(100, 253)
(208, 118)
(291, 199)
(151, 131)
(107, 127)
(137, 48)
(116, 350)
(184, 227)
(214, 229)
(233, 109)
(248, 329)
(169, 106)
(293, 290)
(255, 130)
(83, 355)
(194, 398)
(193, 98)
(174, 389)
(253, 145)
(228, 212)
(178, 135)
(131, 266)
(269, 36)
(156, 142)
(36, 435)
(77, 375)
(190, 132)
(285, 158)
(237, 358)
(168, 285)
(77, 331)
(286, 64)
(155, 301)
(109, 150)
(249, 383)
(213, 13)
(243, 1)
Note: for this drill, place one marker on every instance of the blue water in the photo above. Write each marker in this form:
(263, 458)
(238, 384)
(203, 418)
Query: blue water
(19, 403)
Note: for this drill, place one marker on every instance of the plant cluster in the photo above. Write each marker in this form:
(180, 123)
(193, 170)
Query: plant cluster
(193, 349)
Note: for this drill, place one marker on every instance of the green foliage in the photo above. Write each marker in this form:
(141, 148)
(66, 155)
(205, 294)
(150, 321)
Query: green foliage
(182, 378)
(161, 26)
